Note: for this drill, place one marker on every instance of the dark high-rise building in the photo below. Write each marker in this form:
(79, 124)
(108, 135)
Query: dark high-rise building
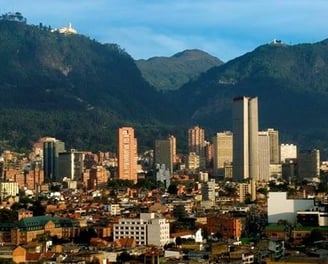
(51, 149)
(274, 146)
(71, 165)
(163, 153)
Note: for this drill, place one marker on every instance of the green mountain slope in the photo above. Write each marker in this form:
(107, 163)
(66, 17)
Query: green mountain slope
(290, 81)
(81, 91)
(70, 87)
(170, 73)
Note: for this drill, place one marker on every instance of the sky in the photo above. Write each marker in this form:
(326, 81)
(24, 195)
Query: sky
(147, 28)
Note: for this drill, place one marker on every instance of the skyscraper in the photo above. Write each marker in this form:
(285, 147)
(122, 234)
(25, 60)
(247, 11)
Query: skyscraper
(127, 154)
(163, 153)
(51, 149)
(196, 143)
(245, 139)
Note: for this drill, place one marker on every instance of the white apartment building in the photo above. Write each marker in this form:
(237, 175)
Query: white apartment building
(115, 209)
(8, 189)
(149, 229)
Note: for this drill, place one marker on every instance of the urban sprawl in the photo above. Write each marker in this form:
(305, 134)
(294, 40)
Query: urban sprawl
(241, 197)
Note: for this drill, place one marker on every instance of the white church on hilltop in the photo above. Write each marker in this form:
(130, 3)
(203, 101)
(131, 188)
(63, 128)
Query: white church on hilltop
(66, 30)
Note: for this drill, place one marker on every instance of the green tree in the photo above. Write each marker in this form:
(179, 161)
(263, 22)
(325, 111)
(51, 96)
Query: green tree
(173, 188)
(179, 212)
(314, 236)
(7, 216)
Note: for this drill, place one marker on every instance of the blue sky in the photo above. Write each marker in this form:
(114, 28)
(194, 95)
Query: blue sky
(147, 28)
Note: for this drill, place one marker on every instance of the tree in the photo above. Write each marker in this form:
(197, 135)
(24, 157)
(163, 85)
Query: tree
(179, 212)
(7, 216)
(314, 236)
(173, 188)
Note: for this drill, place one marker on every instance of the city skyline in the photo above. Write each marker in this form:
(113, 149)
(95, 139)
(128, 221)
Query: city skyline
(225, 29)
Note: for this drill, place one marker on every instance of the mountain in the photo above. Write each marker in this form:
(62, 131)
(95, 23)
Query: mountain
(291, 83)
(170, 73)
(72, 88)
(80, 91)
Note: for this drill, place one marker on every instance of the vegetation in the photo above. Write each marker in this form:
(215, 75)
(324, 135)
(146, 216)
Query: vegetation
(72, 88)
(80, 91)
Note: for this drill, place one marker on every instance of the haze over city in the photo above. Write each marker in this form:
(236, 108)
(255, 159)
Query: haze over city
(225, 29)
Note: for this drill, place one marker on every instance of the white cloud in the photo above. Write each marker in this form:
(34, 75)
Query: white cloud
(145, 28)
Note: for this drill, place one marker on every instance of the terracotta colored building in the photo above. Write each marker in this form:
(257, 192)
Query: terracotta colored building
(225, 224)
(127, 154)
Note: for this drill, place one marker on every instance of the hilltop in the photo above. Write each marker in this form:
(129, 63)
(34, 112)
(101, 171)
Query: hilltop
(290, 81)
(170, 73)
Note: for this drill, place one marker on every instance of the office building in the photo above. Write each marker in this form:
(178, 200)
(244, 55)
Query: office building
(196, 143)
(127, 154)
(71, 165)
(51, 149)
(222, 152)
